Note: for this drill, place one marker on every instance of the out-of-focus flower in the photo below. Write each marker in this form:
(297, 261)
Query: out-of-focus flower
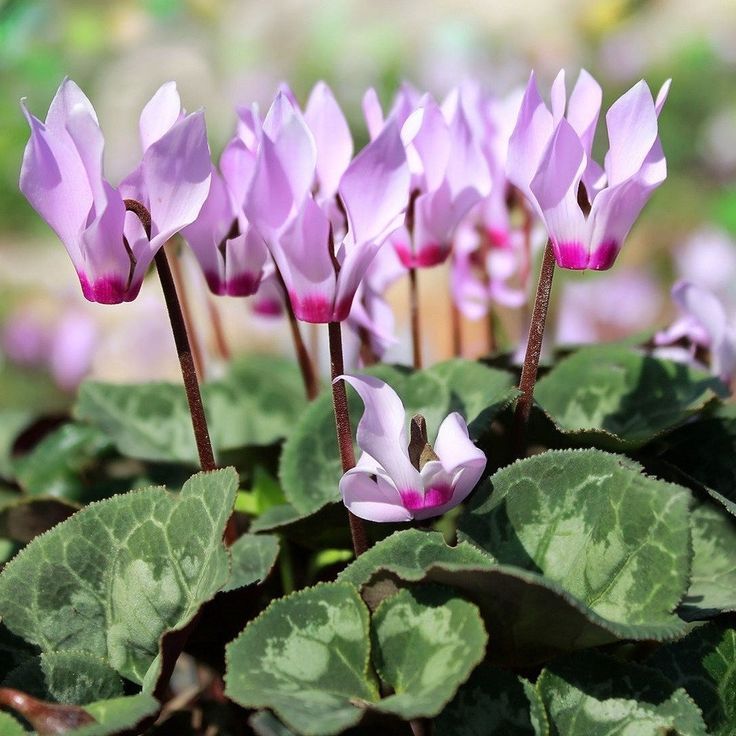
(62, 178)
(323, 243)
(230, 252)
(396, 479)
(708, 259)
(587, 209)
(607, 308)
(703, 326)
(64, 346)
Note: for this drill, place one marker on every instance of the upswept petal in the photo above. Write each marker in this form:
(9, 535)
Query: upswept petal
(426, 137)
(302, 255)
(529, 139)
(467, 173)
(662, 95)
(332, 137)
(584, 109)
(54, 181)
(269, 203)
(555, 188)
(375, 188)
(68, 98)
(237, 164)
(632, 131)
(373, 113)
(382, 431)
(558, 96)
(249, 125)
(353, 269)
(373, 500)
(293, 144)
(160, 114)
(454, 446)
(176, 172)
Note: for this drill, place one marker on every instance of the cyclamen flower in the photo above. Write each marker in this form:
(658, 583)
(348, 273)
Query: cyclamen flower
(397, 480)
(449, 176)
(550, 162)
(231, 253)
(62, 178)
(703, 325)
(323, 217)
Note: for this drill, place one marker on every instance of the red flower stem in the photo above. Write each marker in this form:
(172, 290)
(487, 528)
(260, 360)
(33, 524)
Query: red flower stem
(342, 426)
(186, 360)
(309, 377)
(218, 330)
(533, 350)
(416, 334)
(180, 285)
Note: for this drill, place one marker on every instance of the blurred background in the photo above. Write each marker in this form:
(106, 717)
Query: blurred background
(227, 52)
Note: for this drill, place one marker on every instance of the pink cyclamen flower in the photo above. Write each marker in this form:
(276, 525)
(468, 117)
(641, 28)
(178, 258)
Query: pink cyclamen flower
(703, 325)
(230, 251)
(62, 178)
(323, 217)
(587, 209)
(397, 480)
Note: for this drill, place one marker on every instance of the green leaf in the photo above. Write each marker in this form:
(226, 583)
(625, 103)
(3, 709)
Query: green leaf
(592, 695)
(255, 404)
(307, 658)
(10, 727)
(427, 641)
(617, 398)
(310, 467)
(12, 423)
(119, 715)
(72, 678)
(114, 577)
(493, 701)
(713, 578)
(704, 663)
(62, 464)
(593, 523)
(264, 723)
(253, 557)
(408, 554)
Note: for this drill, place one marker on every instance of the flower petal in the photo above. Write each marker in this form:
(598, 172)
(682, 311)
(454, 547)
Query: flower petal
(160, 114)
(332, 137)
(375, 188)
(382, 431)
(555, 188)
(245, 257)
(373, 500)
(176, 173)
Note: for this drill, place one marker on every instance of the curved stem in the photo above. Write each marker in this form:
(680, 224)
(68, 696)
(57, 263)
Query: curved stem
(533, 350)
(342, 426)
(456, 324)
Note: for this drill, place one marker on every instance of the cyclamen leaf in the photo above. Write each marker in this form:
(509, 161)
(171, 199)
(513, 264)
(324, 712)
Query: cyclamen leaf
(310, 467)
(113, 578)
(119, 715)
(307, 658)
(593, 695)
(617, 398)
(10, 727)
(494, 701)
(253, 557)
(427, 641)
(593, 523)
(704, 663)
(72, 678)
(713, 578)
(254, 405)
(12, 423)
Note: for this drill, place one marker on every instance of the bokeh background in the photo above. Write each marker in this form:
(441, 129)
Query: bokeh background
(228, 52)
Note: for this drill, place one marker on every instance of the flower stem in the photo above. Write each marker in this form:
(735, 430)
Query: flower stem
(456, 325)
(309, 377)
(533, 350)
(218, 330)
(179, 284)
(342, 426)
(184, 351)
(416, 336)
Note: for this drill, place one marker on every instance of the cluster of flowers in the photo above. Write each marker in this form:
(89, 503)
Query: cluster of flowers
(290, 210)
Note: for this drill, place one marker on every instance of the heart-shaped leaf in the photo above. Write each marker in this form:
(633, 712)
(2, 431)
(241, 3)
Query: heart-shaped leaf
(253, 557)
